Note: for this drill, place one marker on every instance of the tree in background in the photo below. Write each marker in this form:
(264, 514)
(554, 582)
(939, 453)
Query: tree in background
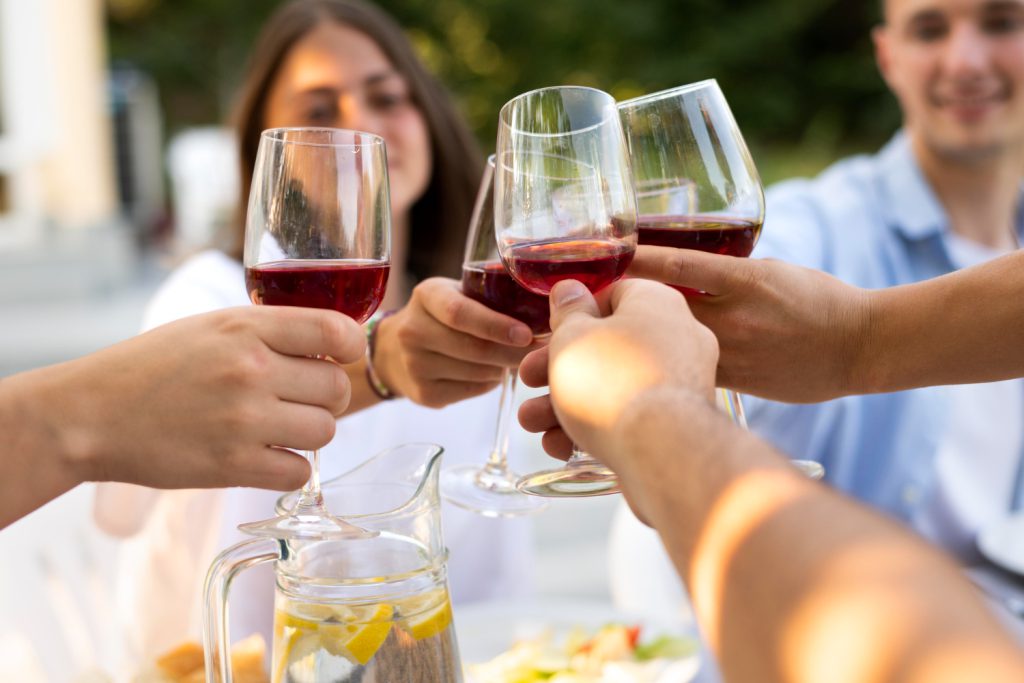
(799, 74)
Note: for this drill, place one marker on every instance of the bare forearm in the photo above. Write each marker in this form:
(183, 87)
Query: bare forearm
(37, 463)
(960, 328)
(792, 582)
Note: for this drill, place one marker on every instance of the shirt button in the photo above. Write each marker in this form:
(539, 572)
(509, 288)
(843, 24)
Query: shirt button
(911, 494)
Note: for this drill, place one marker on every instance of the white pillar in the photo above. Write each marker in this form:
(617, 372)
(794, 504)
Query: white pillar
(56, 154)
(78, 178)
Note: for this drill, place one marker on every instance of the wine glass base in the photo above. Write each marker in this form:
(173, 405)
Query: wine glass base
(810, 469)
(488, 494)
(571, 481)
(307, 527)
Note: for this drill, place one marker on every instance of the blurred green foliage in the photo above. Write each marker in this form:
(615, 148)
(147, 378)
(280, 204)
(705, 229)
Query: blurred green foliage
(799, 74)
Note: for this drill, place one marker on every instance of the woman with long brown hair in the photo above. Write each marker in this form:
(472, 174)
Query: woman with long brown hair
(345, 64)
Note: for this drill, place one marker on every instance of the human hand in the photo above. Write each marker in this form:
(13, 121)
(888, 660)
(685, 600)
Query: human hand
(197, 403)
(785, 332)
(598, 367)
(444, 347)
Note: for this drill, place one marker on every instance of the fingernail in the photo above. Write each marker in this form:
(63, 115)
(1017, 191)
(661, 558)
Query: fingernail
(567, 291)
(519, 336)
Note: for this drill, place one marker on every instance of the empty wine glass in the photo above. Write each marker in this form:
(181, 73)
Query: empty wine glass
(317, 234)
(490, 489)
(564, 209)
(696, 185)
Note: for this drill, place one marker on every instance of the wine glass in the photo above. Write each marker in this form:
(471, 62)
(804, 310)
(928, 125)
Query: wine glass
(491, 489)
(696, 185)
(564, 208)
(317, 234)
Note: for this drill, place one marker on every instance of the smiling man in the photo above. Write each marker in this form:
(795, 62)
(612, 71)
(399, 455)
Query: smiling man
(943, 194)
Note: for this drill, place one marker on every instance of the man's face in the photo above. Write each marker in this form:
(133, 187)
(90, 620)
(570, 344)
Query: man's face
(957, 69)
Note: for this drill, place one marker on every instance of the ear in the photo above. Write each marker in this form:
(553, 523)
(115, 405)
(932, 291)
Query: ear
(880, 38)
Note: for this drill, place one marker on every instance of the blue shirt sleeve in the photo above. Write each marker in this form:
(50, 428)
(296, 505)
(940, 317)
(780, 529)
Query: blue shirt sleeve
(793, 226)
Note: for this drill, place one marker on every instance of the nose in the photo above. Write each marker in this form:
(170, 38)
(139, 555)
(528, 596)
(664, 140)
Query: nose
(356, 114)
(966, 52)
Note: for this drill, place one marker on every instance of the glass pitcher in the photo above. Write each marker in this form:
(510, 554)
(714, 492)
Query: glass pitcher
(361, 609)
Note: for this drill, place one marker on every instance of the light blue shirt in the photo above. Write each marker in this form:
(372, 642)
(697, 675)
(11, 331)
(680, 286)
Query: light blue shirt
(872, 221)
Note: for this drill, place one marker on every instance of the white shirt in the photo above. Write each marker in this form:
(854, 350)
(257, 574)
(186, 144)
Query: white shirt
(976, 464)
(162, 567)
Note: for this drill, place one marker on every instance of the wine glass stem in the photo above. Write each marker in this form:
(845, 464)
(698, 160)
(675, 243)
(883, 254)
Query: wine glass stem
(734, 407)
(311, 501)
(310, 498)
(578, 457)
(730, 400)
(497, 462)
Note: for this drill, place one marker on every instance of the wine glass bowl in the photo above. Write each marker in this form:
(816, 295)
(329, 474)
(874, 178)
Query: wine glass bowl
(696, 183)
(564, 208)
(317, 235)
(564, 204)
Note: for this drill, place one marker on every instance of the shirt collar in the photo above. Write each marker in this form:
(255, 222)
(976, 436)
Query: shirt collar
(911, 207)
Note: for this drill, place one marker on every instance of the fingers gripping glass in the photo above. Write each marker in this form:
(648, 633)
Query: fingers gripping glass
(564, 209)
(696, 185)
(317, 235)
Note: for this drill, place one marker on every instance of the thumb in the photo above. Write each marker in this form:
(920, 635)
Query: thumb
(570, 298)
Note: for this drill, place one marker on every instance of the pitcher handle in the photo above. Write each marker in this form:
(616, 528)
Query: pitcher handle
(227, 565)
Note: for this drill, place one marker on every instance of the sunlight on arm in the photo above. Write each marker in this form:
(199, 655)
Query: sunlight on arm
(741, 509)
(852, 607)
(871, 615)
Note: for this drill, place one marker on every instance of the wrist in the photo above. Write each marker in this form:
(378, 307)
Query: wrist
(656, 417)
(380, 386)
(44, 413)
(864, 364)
(665, 440)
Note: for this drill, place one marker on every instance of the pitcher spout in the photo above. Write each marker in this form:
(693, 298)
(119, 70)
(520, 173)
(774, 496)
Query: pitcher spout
(396, 491)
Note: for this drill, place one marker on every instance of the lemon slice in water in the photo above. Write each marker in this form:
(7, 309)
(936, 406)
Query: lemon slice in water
(362, 639)
(426, 615)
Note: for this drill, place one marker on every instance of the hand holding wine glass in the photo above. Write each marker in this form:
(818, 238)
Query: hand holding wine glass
(317, 235)
(639, 320)
(786, 333)
(443, 346)
(564, 209)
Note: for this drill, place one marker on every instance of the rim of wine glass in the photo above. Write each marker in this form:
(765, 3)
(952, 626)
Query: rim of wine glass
(478, 206)
(372, 140)
(671, 92)
(575, 131)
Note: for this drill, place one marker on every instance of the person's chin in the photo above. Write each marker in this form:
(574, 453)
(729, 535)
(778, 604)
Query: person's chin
(969, 143)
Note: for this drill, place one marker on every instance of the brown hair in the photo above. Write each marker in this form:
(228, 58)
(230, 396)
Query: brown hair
(439, 218)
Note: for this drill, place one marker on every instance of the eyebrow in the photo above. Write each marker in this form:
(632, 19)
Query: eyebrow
(373, 79)
(369, 81)
(1003, 5)
(923, 15)
(931, 13)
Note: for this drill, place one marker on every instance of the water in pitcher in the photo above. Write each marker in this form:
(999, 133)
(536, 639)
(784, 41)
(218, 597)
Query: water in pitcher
(409, 639)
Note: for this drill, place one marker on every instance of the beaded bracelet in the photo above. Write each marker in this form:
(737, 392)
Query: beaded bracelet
(372, 378)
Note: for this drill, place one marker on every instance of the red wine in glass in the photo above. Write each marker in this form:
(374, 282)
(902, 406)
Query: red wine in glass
(713, 234)
(595, 262)
(489, 283)
(353, 287)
